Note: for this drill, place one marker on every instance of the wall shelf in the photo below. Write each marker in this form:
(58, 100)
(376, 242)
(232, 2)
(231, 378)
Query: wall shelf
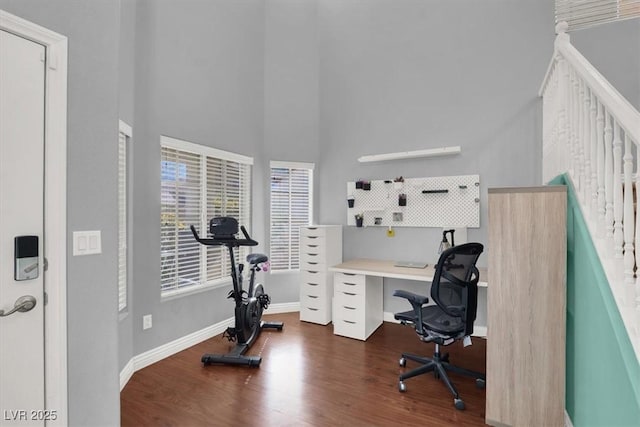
(431, 152)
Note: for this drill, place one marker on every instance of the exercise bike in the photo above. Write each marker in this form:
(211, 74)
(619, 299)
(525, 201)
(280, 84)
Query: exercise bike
(249, 304)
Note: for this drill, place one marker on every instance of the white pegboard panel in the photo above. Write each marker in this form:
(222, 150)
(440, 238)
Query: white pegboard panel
(458, 206)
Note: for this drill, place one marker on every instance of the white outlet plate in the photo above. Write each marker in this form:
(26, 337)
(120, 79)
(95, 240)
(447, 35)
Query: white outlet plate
(147, 321)
(87, 242)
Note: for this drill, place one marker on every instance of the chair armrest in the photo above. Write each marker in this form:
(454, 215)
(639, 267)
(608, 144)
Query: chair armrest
(416, 299)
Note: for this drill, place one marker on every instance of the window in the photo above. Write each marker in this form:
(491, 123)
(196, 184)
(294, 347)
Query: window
(588, 13)
(124, 137)
(291, 208)
(197, 184)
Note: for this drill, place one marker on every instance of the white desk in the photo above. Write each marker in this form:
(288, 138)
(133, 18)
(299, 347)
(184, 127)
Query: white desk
(357, 298)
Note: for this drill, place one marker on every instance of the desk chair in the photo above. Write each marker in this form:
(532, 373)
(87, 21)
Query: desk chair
(454, 289)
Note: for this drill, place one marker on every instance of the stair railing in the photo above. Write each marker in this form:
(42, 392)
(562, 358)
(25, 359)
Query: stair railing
(592, 133)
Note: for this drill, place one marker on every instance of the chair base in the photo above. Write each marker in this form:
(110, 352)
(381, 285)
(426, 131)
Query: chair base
(439, 365)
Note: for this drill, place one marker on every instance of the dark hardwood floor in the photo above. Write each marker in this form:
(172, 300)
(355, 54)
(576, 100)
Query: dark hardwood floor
(308, 377)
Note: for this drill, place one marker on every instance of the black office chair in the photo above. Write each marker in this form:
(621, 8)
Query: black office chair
(454, 289)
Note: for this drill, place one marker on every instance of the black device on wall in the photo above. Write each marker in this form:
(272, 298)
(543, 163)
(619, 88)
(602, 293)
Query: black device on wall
(249, 304)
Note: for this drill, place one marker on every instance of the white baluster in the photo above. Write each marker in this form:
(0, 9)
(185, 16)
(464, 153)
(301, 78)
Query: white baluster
(608, 181)
(618, 239)
(584, 152)
(586, 141)
(601, 228)
(594, 155)
(575, 104)
(629, 223)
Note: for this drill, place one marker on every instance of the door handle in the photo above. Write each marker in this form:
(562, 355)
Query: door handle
(22, 304)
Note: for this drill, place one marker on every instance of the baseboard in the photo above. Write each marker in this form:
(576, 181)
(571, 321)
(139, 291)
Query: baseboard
(162, 352)
(479, 331)
(126, 374)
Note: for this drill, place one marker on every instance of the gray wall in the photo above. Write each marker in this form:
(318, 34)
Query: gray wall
(290, 106)
(199, 77)
(93, 31)
(614, 49)
(126, 108)
(416, 74)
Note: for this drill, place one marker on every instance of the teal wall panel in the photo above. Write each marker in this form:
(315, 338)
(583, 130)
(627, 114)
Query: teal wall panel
(602, 371)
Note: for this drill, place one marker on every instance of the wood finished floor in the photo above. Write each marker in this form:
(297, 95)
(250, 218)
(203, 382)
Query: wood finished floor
(308, 377)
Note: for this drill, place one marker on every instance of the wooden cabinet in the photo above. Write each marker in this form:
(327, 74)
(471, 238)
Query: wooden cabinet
(320, 248)
(526, 306)
(357, 302)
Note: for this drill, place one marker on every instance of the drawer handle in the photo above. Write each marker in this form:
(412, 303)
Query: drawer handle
(349, 321)
(312, 237)
(312, 309)
(349, 308)
(349, 284)
(349, 274)
(312, 263)
(312, 228)
(350, 294)
(312, 284)
(312, 296)
(313, 246)
(312, 272)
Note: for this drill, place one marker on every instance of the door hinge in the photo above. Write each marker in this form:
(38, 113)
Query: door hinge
(45, 298)
(45, 264)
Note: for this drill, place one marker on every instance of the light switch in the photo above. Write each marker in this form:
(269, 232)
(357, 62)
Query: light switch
(87, 242)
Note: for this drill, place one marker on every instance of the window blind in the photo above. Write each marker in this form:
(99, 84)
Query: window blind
(123, 137)
(291, 208)
(199, 183)
(581, 14)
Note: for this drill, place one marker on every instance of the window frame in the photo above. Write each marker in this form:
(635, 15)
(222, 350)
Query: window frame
(275, 164)
(204, 153)
(123, 215)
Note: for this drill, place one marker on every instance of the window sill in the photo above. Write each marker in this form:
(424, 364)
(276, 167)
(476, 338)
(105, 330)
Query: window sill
(192, 290)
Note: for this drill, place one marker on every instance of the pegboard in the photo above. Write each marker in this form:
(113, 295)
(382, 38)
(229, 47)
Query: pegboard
(430, 202)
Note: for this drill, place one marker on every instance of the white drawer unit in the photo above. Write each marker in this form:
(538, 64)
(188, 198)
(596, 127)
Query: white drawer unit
(357, 305)
(320, 248)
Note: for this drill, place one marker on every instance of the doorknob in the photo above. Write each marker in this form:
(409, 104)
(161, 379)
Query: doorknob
(22, 304)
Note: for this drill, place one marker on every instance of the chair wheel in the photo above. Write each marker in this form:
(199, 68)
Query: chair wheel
(459, 404)
(480, 383)
(402, 362)
(402, 387)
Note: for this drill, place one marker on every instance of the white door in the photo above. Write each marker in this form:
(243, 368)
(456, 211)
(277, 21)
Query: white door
(22, 117)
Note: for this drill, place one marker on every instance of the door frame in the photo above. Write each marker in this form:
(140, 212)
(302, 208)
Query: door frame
(55, 205)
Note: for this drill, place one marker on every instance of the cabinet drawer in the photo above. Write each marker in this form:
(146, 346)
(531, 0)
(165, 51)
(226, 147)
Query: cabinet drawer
(348, 328)
(311, 301)
(313, 232)
(314, 277)
(312, 266)
(349, 288)
(315, 315)
(350, 301)
(350, 279)
(313, 256)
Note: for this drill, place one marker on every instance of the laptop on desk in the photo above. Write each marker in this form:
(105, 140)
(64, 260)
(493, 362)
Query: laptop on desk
(410, 264)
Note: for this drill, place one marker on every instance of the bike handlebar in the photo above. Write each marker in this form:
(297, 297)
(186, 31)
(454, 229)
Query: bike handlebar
(231, 242)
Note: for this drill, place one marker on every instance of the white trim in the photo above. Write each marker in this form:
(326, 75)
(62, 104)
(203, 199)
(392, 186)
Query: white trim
(191, 147)
(402, 155)
(291, 165)
(123, 127)
(478, 331)
(567, 420)
(56, 393)
(162, 352)
(126, 373)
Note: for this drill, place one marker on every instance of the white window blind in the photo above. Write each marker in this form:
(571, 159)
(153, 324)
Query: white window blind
(197, 184)
(291, 208)
(123, 138)
(587, 13)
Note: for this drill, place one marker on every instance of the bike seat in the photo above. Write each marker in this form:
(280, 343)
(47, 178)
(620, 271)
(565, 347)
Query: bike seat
(257, 258)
